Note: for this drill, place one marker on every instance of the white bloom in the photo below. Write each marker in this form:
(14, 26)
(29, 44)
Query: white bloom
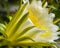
(42, 19)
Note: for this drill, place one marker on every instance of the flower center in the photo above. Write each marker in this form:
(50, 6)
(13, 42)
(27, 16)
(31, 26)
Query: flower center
(46, 34)
(38, 22)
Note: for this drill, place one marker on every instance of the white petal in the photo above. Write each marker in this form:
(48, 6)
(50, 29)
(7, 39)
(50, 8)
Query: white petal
(26, 1)
(54, 28)
(50, 38)
(51, 17)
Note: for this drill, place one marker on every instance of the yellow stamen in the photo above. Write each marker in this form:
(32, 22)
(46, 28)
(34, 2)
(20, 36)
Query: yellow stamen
(46, 34)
